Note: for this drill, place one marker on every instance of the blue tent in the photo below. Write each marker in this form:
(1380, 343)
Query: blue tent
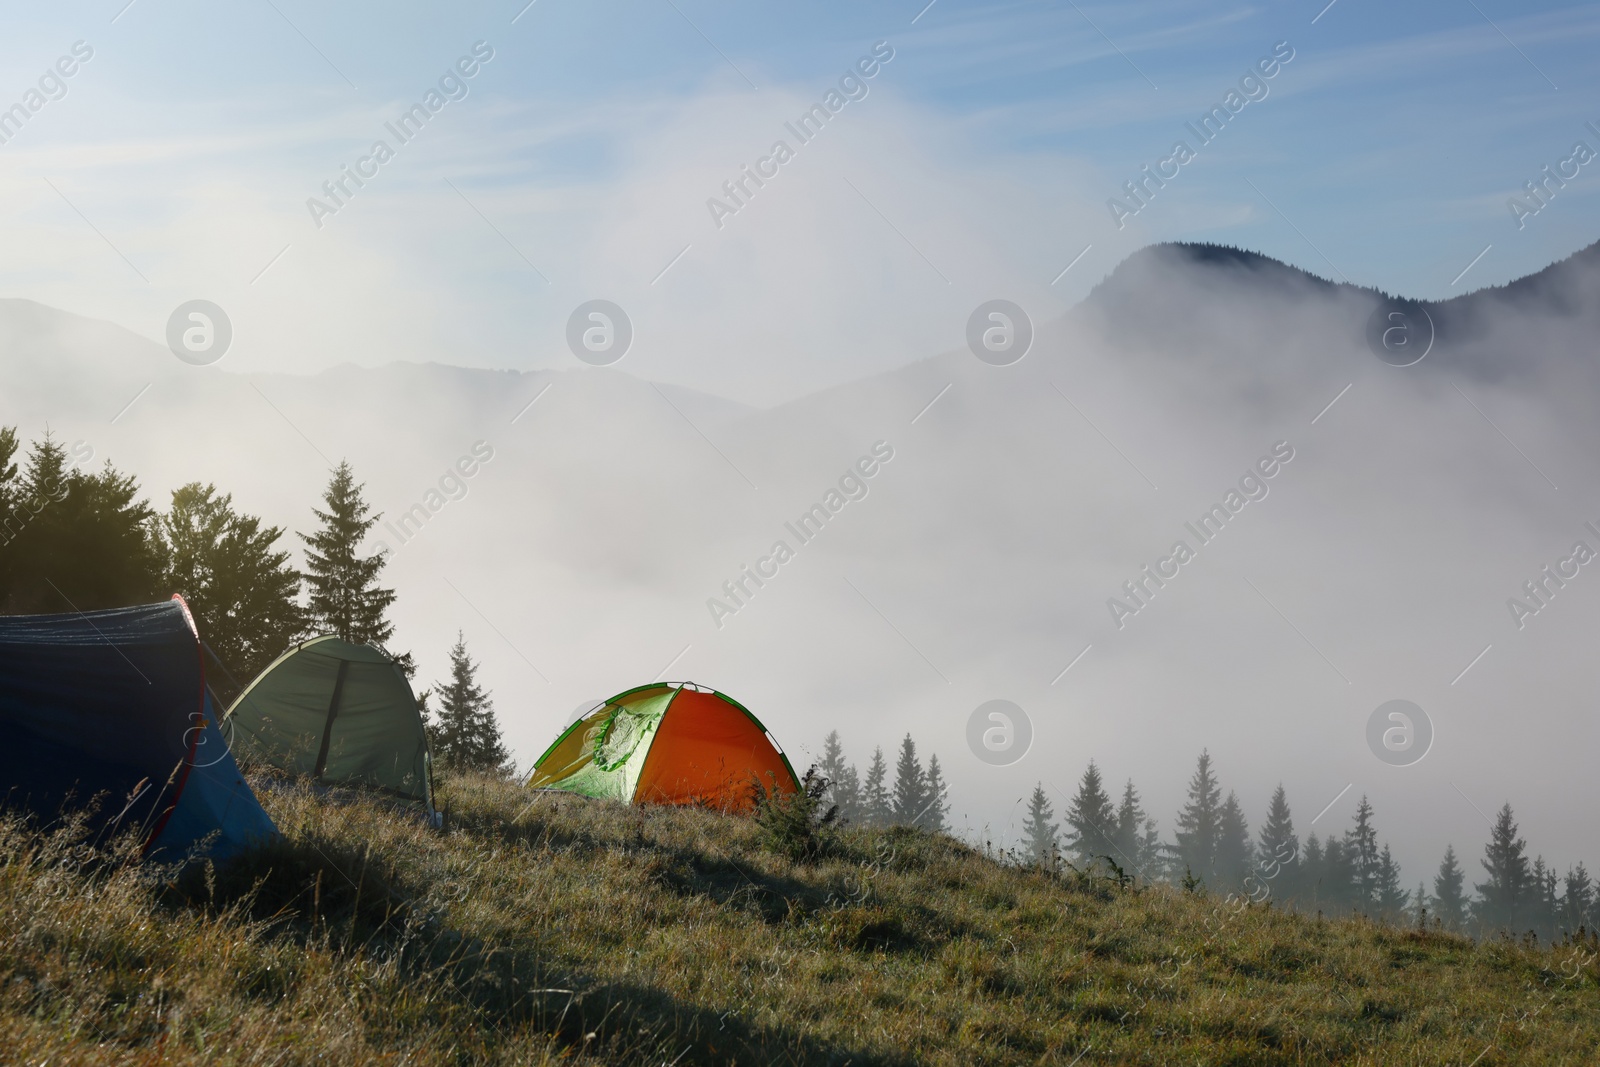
(114, 705)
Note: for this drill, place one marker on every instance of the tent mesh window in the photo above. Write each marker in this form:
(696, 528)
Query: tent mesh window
(626, 728)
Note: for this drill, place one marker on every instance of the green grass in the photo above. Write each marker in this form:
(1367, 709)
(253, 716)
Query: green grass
(545, 929)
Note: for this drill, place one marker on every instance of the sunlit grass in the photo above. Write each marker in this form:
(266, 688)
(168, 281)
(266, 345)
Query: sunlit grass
(540, 928)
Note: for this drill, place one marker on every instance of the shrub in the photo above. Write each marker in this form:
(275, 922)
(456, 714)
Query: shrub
(795, 824)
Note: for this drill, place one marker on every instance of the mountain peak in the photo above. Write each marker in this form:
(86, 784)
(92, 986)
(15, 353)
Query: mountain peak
(1555, 282)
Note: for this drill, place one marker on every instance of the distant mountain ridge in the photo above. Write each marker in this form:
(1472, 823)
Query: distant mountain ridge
(1551, 283)
(1151, 299)
(1138, 299)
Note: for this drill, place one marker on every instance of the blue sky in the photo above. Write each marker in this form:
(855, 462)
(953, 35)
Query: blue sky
(180, 161)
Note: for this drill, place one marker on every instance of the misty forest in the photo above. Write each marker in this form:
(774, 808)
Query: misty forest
(87, 539)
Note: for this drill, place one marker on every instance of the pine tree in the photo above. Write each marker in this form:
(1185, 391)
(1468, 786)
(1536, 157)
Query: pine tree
(910, 799)
(1361, 848)
(243, 593)
(1196, 830)
(844, 785)
(36, 554)
(1389, 899)
(938, 806)
(1134, 839)
(1152, 853)
(466, 733)
(1577, 900)
(82, 541)
(345, 597)
(1503, 897)
(847, 795)
(12, 514)
(832, 767)
(1234, 859)
(1279, 848)
(1546, 907)
(45, 477)
(1039, 829)
(1535, 914)
(875, 794)
(1420, 905)
(832, 762)
(1338, 876)
(9, 446)
(1449, 899)
(1091, 820)
(1313, 869)
(1551, 905)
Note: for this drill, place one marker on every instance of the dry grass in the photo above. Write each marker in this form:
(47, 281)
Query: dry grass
(543, 929)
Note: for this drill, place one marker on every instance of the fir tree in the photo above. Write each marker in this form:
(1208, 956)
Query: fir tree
(47, 470)
(1503, 897)
(844, 786)
(107, 529)
(1546, 907)
(938, 806)
(910, 799)
(82, 541)
(1196, 829)
(345, 597)
(1279, 848)
(466, 734)
(242, 591)
(875, 794)
(1389, 899)
(1313, 869)
(1136, 845)
(1234, 859)
(21, 501)
(1338, 876)
(1152, 853)
(1420, 905)
(1552, 903)
(1577, 900)
(1449, 899)
(1361, 848)
(847, 795)
(1091, 820)
(9, 445)
(1534, 914)
(832, 762)
(1039, 829)
(832, 767)
(12, 514)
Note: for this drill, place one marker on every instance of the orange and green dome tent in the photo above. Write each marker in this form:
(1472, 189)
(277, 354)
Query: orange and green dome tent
(667, 743)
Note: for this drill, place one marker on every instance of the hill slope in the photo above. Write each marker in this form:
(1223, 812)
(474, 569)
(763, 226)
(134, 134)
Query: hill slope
(546, 928)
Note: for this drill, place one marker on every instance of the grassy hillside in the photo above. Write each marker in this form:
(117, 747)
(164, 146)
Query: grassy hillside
(550, 929)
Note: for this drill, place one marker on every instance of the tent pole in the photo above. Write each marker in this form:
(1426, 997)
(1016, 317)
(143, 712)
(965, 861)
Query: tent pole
(333, 711)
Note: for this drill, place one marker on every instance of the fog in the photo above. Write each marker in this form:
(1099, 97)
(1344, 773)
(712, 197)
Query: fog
(980, 560)
(998, 548)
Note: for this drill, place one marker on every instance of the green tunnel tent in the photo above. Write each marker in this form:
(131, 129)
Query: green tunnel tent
(667, 743)
(339, 713)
